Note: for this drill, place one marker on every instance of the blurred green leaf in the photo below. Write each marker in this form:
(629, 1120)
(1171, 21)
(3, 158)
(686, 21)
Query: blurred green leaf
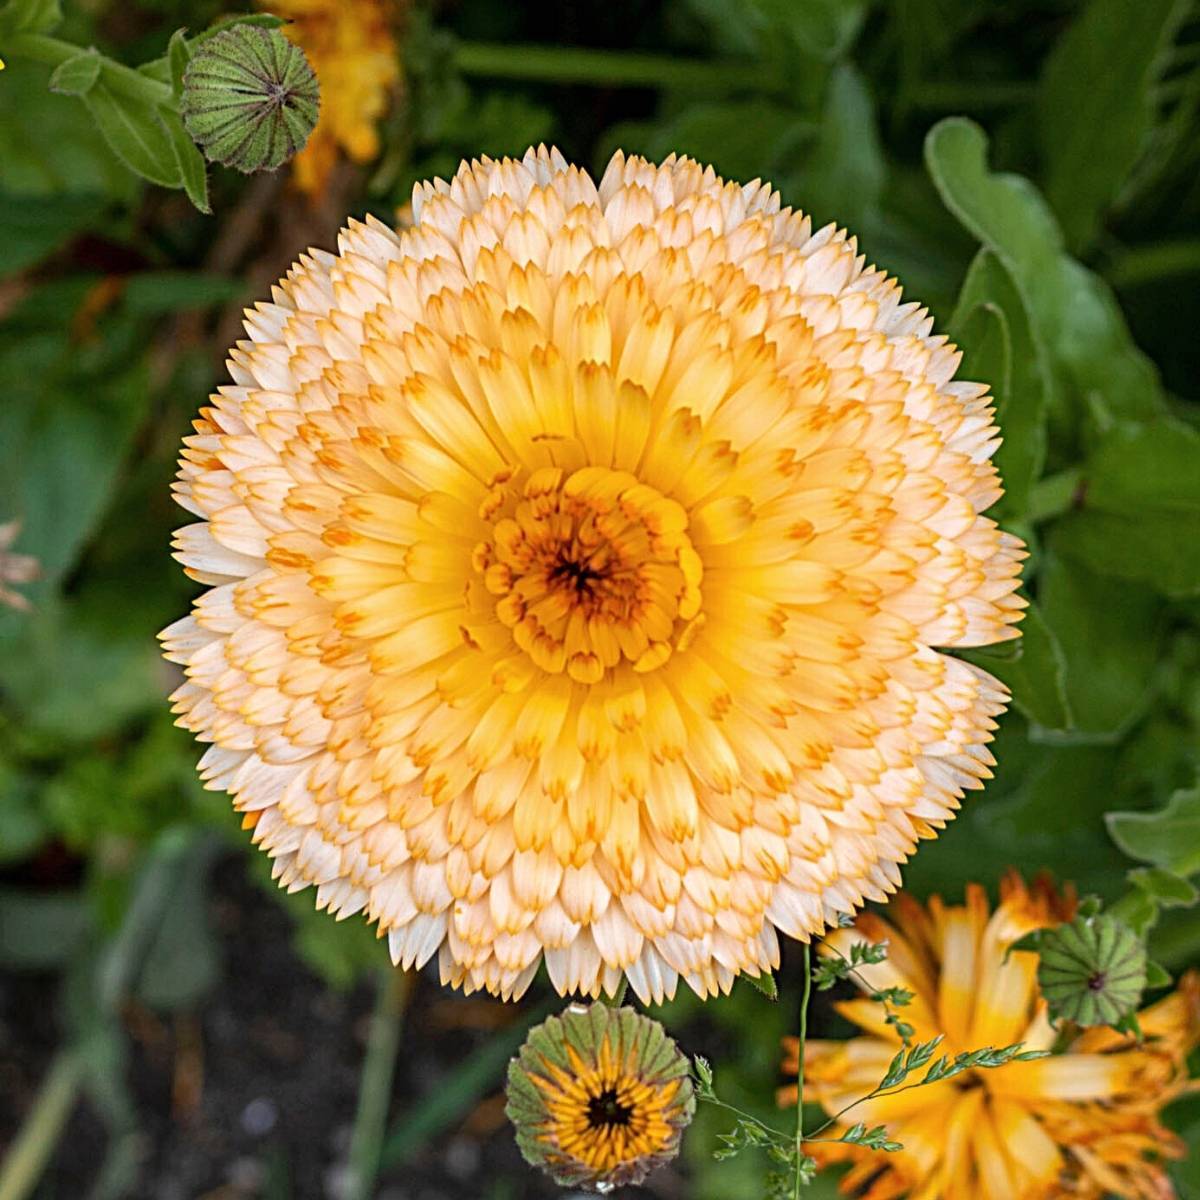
(152, 293)
(76, 76)
(22, 826)
(1072, 311)
(340, 952)
(1165, 887)
(182, 961)
(1157, 976)
(1021, 395)
(1009, 826)
(40, 930)
(30, 16)
(825, 29)
(1034, 672)
(841, 179)
(33, 231)
(1096, 105)
(70, 413)
(48, 144)
(715, 132)
(1110, 634)
(1168, 838)
(1140, 519)
(135, 133)
(71, 674)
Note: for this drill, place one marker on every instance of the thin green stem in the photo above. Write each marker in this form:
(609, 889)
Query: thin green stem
(119, 78)
(611, 68)
(375, 1087)
(805, 996)
(618, 997)
(43, 1126)
(1142, 265)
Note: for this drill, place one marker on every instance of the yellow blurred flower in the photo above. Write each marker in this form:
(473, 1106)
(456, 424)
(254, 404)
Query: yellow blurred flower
(352, 50)
(1082, 1123)
(577, 559)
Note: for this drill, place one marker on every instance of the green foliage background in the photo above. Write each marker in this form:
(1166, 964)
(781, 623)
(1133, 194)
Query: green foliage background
(1028, 168)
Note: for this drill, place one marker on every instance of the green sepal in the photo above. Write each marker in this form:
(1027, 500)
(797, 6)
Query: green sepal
(77, 75)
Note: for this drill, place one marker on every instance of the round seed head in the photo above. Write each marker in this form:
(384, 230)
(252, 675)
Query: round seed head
(1092, 971)
(250, 99)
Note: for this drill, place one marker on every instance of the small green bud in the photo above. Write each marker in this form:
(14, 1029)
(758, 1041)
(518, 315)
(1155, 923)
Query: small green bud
(1092, 971)
(250, 99)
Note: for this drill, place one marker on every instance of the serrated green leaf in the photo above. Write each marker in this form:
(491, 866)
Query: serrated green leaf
(764, 983)
(76, 76)
(136, 134)
(1168, 838)
(1096, 105)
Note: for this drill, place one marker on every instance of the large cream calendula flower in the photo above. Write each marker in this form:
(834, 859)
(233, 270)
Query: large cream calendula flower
(576, 563)
(1082, 1123)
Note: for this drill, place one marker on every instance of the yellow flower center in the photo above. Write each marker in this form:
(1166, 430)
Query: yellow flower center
(589, 569)
(603, 1114)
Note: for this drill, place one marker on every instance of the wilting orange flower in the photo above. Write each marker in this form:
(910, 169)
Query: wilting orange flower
(1082, 1123)
(350, 46)
(576, 561)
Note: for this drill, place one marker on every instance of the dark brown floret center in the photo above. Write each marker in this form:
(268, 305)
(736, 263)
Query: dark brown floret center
(577, 575)
(605, 1111)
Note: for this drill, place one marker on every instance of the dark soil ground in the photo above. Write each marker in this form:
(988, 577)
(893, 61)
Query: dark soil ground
(252, 1098)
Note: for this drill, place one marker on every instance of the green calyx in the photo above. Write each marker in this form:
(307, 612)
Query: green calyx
(250, 99)
(1092, 971)
(575, 1045)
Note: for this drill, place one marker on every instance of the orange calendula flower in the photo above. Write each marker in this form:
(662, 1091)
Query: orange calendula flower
(1082, 1123)
(599, 1096)
(577, 559)
(354, 56)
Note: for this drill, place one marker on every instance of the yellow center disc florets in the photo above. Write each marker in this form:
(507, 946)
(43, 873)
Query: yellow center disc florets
(589, 569)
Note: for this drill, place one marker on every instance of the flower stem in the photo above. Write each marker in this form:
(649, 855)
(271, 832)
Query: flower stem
(805, 996)
(43, 1126)
(375, 1088)
(611, 68)
(119, 78)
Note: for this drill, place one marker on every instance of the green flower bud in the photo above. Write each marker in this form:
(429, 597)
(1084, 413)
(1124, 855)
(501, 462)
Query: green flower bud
(250, 99)
(1092, 971)
(599, 1097)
